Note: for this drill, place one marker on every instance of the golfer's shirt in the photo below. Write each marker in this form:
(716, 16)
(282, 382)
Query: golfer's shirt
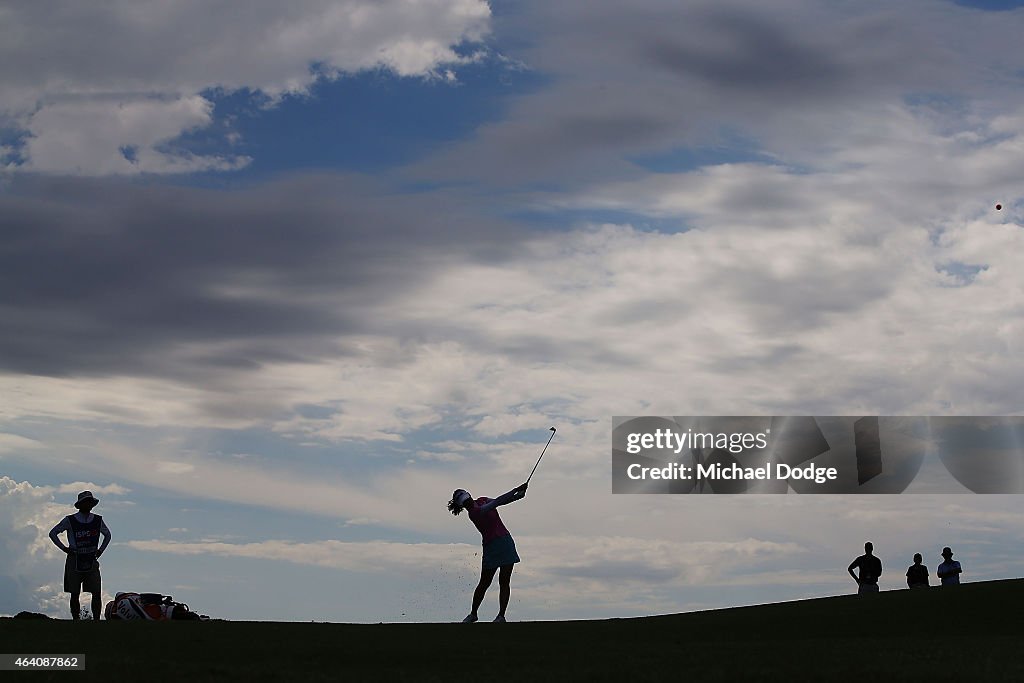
(488, 523)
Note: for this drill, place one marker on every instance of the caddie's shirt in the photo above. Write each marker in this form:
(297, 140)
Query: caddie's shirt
(870, 568)
(83, 531)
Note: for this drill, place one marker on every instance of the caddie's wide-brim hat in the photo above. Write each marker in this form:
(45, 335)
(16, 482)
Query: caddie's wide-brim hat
(86, 498)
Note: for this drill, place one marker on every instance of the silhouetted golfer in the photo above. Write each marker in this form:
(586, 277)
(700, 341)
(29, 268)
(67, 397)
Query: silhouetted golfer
(949, 571)
(870, 569)
(499, 549)
(917, 573)
(81, 568)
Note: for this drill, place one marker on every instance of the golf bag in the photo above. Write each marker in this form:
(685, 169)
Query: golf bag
(149, 607)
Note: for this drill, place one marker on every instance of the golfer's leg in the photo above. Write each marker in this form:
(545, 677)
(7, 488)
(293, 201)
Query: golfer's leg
(486, 576)
(504, 588)
(76, 606)
(97, 605)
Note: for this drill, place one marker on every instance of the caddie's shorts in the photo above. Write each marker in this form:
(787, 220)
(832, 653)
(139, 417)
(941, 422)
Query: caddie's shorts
(77, 582)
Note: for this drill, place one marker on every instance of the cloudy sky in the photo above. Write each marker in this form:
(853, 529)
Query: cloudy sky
(276, 278)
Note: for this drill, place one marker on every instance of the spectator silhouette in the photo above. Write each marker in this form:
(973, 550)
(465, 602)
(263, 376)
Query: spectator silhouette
(870, 569)
(917, 573)
(949, 571)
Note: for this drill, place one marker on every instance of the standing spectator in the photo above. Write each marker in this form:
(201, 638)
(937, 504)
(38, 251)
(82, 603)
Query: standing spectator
(870, 569)
(917, 573)
(949, 571)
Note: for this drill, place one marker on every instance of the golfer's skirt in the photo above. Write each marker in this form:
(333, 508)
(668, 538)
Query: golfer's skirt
(499, 552)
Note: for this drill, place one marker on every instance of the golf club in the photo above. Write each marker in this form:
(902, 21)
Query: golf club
(541, 455)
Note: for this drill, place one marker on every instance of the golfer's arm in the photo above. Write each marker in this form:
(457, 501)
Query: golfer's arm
(503, 499)
(850, 569)
(510, 497)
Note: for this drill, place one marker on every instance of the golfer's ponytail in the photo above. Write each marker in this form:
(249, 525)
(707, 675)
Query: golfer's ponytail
(454, 507)
(458, 500)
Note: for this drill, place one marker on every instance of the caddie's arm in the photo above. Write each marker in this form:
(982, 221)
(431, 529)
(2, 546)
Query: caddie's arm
(850, 569)
(105, 532)
(61, 526)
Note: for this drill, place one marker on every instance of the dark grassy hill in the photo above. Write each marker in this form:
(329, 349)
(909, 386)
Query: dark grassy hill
(973, 632)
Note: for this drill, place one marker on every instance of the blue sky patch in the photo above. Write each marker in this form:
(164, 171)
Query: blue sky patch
(366, 122)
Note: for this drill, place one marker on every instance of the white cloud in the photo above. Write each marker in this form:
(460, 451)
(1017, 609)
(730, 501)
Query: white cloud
(915, 174)
(361, 556)
(31, 568)
(738, 76)
(839, 270)
(139, 68)
(97, 489)
(119, 136)
(362, 521)
(171, 467)
(10, 443)
(614, 320)
(275, 486)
